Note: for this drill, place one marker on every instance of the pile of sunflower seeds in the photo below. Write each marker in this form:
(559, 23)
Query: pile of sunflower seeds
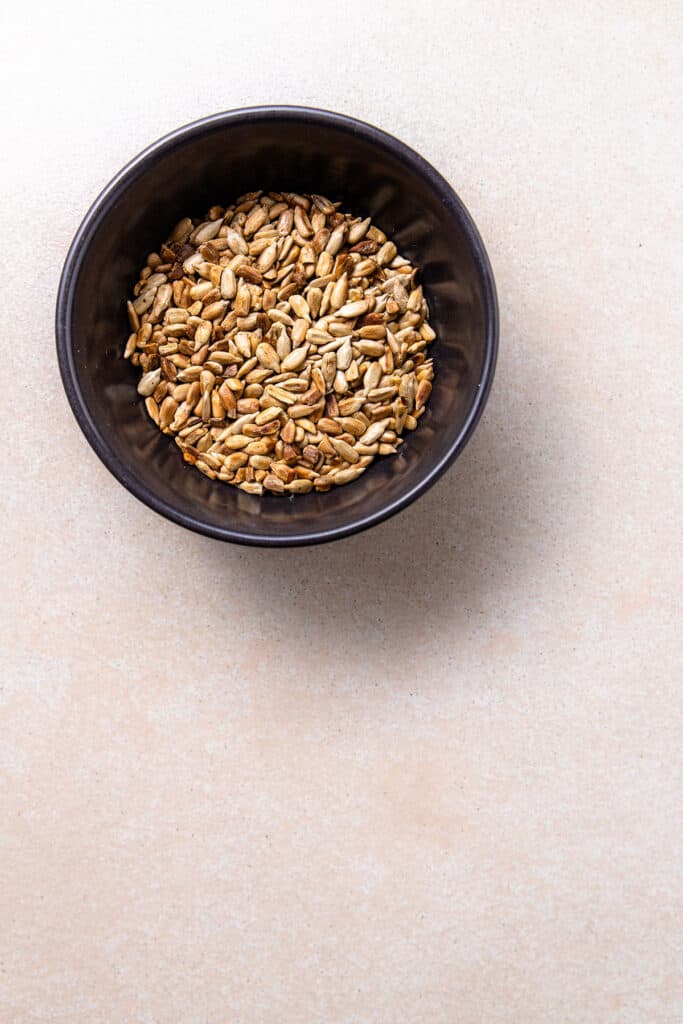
(281, 342)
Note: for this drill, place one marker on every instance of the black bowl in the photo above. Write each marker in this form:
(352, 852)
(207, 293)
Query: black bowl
(212, 161)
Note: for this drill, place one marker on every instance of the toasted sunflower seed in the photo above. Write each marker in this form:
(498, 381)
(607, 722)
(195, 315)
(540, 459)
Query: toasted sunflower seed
(345, 476)
(267, 356)
(256, 219)
(336, 240)
(300, 306)
(236, 242)
(296, 359)
(374, 432)
(424, 390)
(149, 382)
(358, 230)
(273, 483)
(340, 291)
(228, 283)
(215, 310)
(353, 309)
(347, 452)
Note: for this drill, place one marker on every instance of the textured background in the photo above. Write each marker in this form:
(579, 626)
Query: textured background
(428, 775)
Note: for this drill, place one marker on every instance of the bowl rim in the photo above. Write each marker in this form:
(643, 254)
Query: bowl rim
(129, 173)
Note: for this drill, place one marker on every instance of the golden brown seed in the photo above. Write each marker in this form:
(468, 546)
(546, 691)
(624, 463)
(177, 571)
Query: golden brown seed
(206, 381)
(296, 358)
(344, 449)
(236, 242)
(345, 476)
(372, 376)
(373, 332)
(236, 442)
(228, 283)
(246, 405)
(317, 380)
(193, 399)
(320, 239)
(298, 331)
(357, 231)
(329, 426)
(206, 231)
(351, 425)
(267, 416)
(381, 394)
(300, 306)
(322, 203)
(386, 254)
(285, 222)
(215, 310)
(282, 471)
(228, 399)
(256, 219)
(199, 357)
(324, 263)
(339, 292)
(133, 317)
(268, 357)
(336, 240)
(248, 273)
(202, 334)
(160, 392)
(267, 257)
(236, 460)
(353, 373)
(328, 368)
(288, 431)
(302, 223)
(299, 486)
(277, 316)
(242, 303)
(308, 256)
(314, 298)
(152, 408)
(298, 410)
(374, 432)
(260, 461)
(424, 390)
(261, 447)
(167, 412)
(344, 355)
(353, 309)
(149, 382)
(182, 231)
(283, 396)
(273, 483)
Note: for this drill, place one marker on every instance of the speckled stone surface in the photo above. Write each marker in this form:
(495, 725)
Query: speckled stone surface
(428, 775)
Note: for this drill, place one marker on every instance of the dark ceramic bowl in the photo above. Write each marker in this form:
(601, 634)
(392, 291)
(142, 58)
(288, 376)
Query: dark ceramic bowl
(212, 161)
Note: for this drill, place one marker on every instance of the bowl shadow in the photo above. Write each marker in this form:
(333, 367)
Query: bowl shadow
(462, 551)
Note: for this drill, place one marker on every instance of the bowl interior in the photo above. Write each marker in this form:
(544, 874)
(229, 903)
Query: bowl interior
(214, 163)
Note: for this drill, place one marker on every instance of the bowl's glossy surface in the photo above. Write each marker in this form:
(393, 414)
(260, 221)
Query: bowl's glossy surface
(213, 161)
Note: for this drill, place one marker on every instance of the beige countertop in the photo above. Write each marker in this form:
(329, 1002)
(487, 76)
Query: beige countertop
(427, 775)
